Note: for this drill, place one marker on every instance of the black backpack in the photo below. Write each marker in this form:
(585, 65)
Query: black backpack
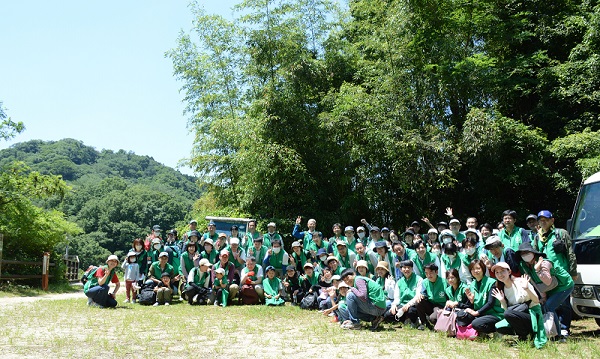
(309, 302)
(147, 294)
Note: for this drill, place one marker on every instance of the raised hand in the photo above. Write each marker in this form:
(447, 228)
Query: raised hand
(449, 212)
(496, 293)
(299, 220)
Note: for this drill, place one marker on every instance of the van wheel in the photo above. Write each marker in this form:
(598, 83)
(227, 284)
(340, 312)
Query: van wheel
(597, 321)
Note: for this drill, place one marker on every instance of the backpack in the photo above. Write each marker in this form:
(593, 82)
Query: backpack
(309, 301)
(147, 295)
(88, 274)
(249, 295)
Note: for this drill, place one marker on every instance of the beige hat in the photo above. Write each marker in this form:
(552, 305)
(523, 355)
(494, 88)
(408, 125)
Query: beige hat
(331, 258)
(220, 270)
(500, 265)
(342, 284)
(362, 263)
(209, 241)
(383, 265)
(204, 262)
(308, 264)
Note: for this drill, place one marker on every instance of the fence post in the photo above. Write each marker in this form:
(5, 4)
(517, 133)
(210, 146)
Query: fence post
(1, 245)
(45, 268)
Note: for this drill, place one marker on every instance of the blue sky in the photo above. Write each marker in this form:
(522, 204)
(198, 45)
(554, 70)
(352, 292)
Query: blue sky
(95, 71)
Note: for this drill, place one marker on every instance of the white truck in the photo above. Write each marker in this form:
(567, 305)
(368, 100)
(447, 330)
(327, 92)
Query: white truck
(584, 228)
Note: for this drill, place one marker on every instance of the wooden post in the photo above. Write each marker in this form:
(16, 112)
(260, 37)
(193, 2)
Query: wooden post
(1, 245)
(45, 268)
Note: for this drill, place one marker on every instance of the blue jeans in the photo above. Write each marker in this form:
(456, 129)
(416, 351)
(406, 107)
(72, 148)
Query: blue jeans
(554, 301)
(362, 310)
(99, 294)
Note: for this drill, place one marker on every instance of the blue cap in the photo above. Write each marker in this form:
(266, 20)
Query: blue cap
(321, 251)
(269, 268)
(381, 244)
(212, 223)
(385, 229)
(545, 213)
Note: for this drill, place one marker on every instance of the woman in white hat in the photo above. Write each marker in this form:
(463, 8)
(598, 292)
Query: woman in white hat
(96, 288)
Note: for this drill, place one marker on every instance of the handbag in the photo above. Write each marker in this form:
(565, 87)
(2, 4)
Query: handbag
(446, 322)
(466, 333)
(550, 325)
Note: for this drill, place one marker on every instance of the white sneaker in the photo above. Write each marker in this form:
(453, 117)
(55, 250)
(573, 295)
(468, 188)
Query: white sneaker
(155, 304)
(195, 299)
(564, 333)
(167, 303)
(126, 301)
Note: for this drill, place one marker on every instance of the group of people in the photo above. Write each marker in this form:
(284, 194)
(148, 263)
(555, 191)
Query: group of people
(495, 279)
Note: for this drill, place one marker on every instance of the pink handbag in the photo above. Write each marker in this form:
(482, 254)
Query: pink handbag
(466, 333)
(446, 322)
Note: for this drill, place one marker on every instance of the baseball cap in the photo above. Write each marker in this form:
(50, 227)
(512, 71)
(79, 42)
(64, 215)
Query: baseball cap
(349, 229)
(454, 220)
(545, 213)
(163, 254)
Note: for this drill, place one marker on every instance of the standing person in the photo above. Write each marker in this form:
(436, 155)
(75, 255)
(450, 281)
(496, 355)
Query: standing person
(211, 233)
(192, 226)
(364, 254)
(363, 238)
(154, 234)
(96, 288)
(209, 251)
(486, 231)
(556, 244)
(521, 306)
(299, 257)
(305, 237)
(131, 276)
(365, 301)
(532, 223)
(350, 239)
(220, 285)
(421, 258)
(257, 250)
(543, 272)
(271, 235)
(317, 243)
(455, 228)
(250, 236)
(189, 259)
(511, 235)
(277, 258)
(415, 226)
(432, 238)
(486, 311)
(141, 256)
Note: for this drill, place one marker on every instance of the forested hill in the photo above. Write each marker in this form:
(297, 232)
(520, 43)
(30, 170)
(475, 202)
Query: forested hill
(115, 196)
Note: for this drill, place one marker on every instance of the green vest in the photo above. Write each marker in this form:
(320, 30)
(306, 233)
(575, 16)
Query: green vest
(314, 247)
(249, 242)
(435, 291)
(454, 264)
(374, 292)
(407, 288)
(268, 239)
(232, 259)
(565, 281)
(300, 258)
(92, 282)
(157, 272)
(314, 280)
(276, 259)
(254, 277)
(481, 290)
(512, 240)
(259, 255)
(212, 256)
(429, 258)
(457, 295)
(548, 249)
(198, 279)
(188, 262)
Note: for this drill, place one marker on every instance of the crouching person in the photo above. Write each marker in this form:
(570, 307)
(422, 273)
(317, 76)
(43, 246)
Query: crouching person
(198, 286)
(164, 293)
(432, 297)
(404, 308)
(365, 301)
(251, 282)
(273, 288)
(231, 285)
(96, 288)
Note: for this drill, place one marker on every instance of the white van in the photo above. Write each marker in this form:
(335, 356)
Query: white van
(584, 227)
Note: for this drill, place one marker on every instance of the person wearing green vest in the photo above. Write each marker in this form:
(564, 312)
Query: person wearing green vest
(455, 228)
(511, 235)
(453, 259)
(277, 258)
(337, 236)
(211, 234)
(557, 245)
(230, 273)
(316, 244)
(521, 304)
(250, 236)
(188, 260)
(272, 288)
(193, 226)
(404, 307)
(220, 285)
(365, 301)
(455, 291)
(304, 236)
(364, 254)
(156, 249)
(334, 265)
(96, 288)
(236, 254)
(309, 281)
(421, 258)
(251, 281)
(433, 295)
(194, 238)
(209, 251)
(362, 269)
(350, 239)
(257, 250)
(471, 252)
(543, 272)
(162, 266)
(299, 257)
(487, 310)
(271, 235)
(198, 287)
(141, 256)
(345, 256)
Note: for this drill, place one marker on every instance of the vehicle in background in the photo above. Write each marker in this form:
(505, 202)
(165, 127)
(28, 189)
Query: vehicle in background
(584, 228)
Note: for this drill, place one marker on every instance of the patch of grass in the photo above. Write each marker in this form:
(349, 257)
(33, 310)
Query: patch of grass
(22, 290)
(69, 328)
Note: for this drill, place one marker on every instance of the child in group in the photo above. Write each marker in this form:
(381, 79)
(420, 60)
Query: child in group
(132, 275)
(272, 288)
(164, 293)
(291, 285)
(220, 287)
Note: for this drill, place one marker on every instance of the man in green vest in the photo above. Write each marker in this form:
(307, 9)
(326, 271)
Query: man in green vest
(511, 235)
(433, 295)
(405, 296)
(212, 233)
(365, 301)
(305, 237)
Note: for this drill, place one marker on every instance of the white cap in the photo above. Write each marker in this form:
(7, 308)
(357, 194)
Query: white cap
(234, 240)
(271, 224)
(112, 257)
(432, 230)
